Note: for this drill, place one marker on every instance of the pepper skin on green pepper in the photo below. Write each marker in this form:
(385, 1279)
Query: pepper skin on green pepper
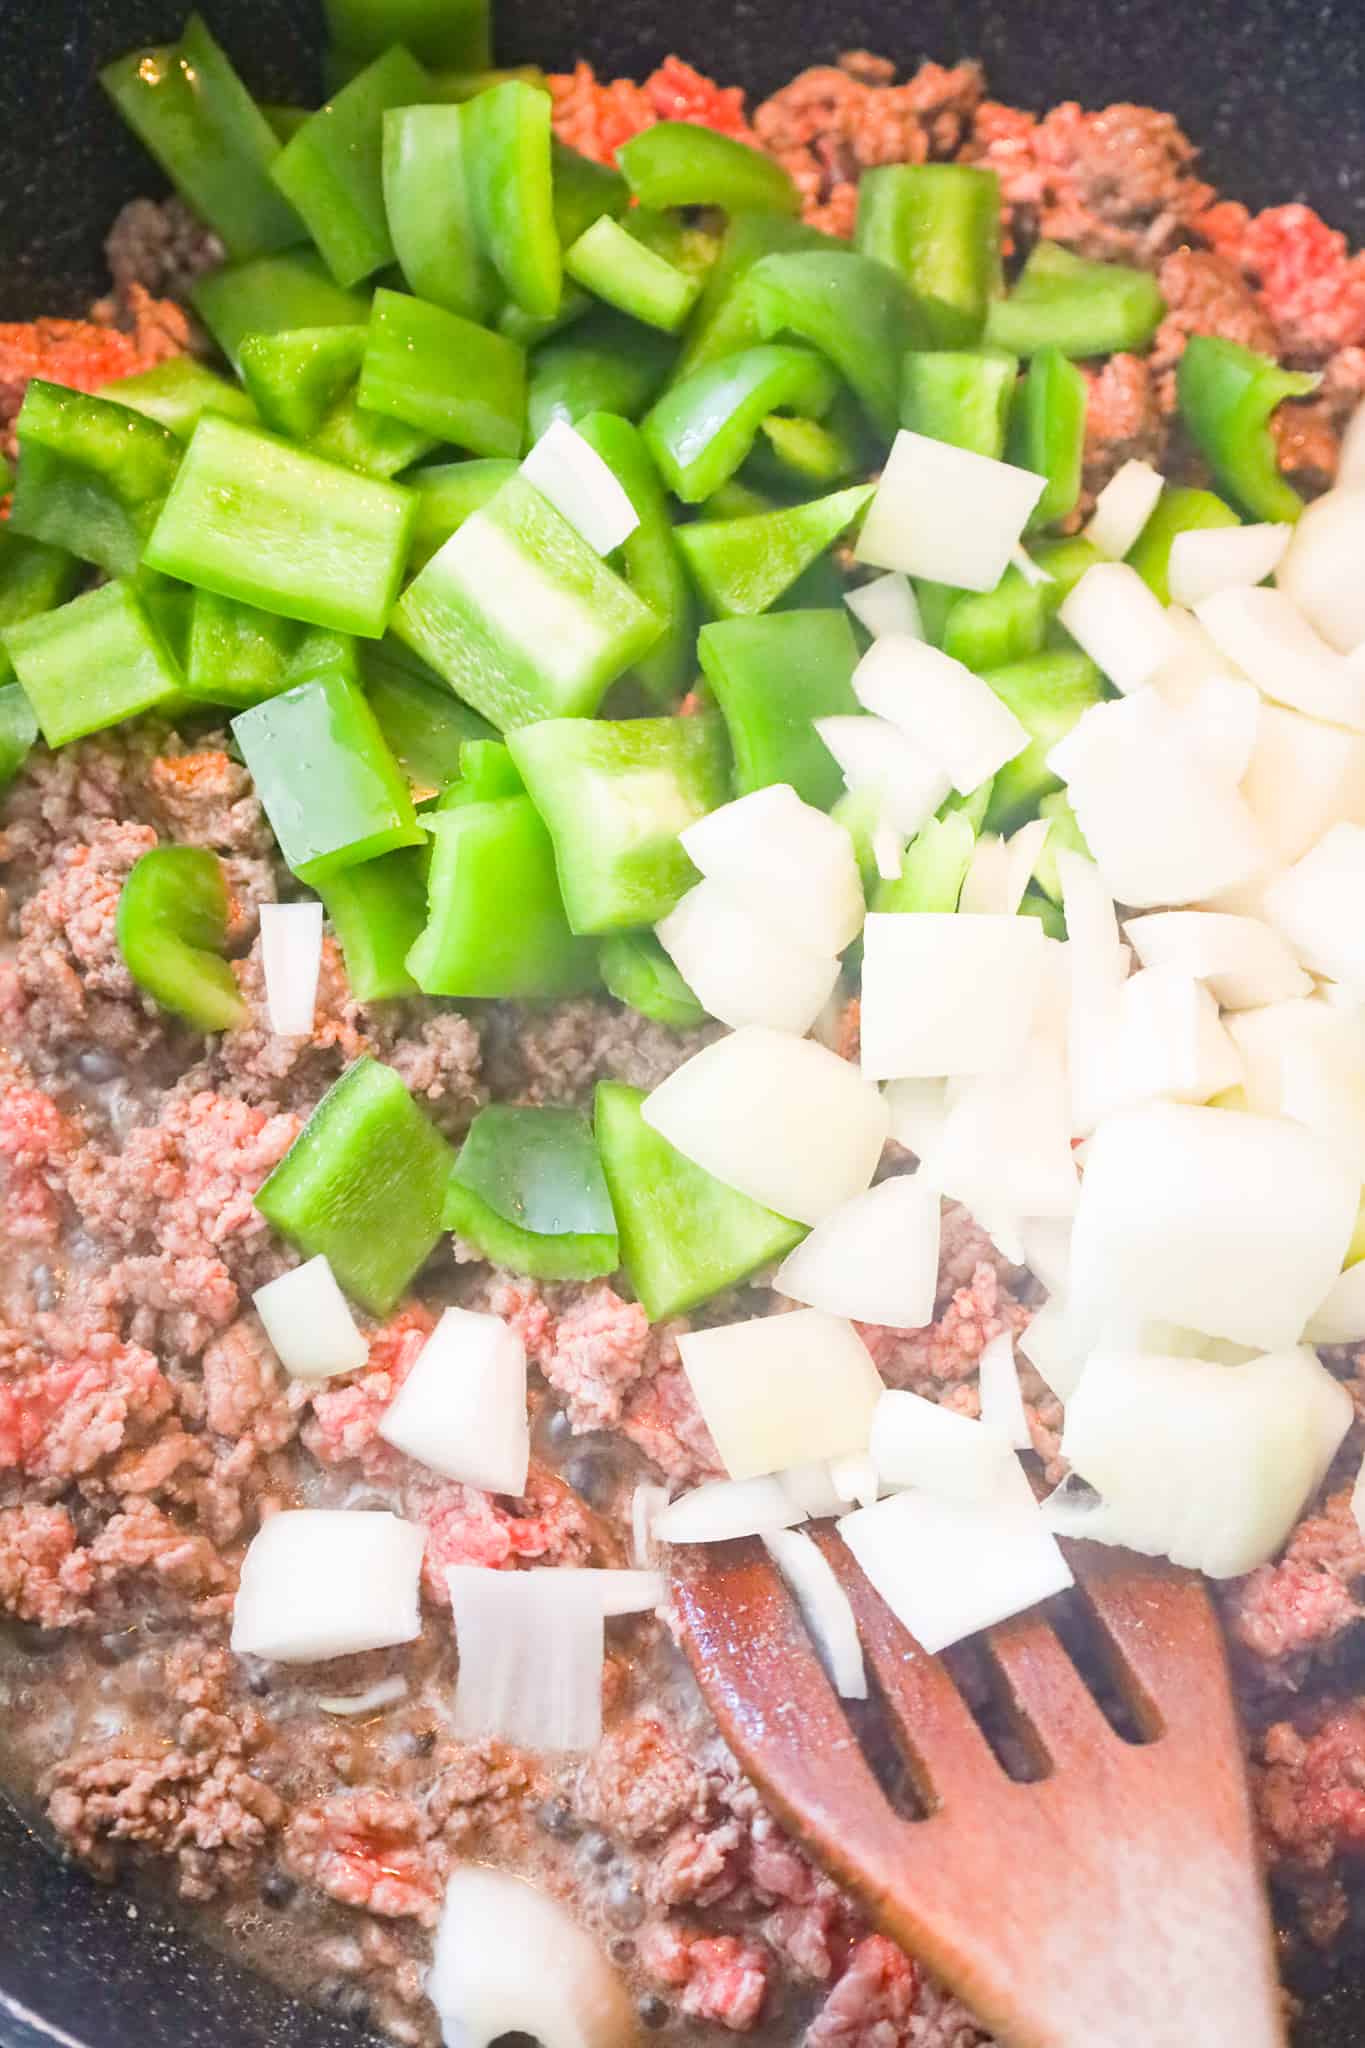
(527, 1192)
(172, 925)
(93, 476)
(1227, 394)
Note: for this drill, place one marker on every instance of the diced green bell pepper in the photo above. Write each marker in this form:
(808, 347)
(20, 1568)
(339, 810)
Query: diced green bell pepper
(1047, 694)
(93, 476)
(271, 294)
(373, 443)
(237, 654)
(487, 771)
(1034, 904)
(186, 104)
(331, 789)
(530, 330)
(583, 192)
(460, 84)
(444, 374)
(806, 455)
(253, 517)
(296, 375)
(772, 677)
(34, 578)
(684, 1235)
(676, 163)
(1179, 509)
(425, 727)
(454, 35)
(637, 971)
(377, 911)
(859, 811)
(614, 265)
(1066, 302)
(172, 926)
(1065, 562)
(1047, 433)
(18, 732)
(703, 429)
(447, 493)
(511, 188)
(286, 121)
(962, 396)
(522, 618)
(938, 227)
(743, 566)
(332, 170)
(527, 1191)
(92, 663)
(176, 392)
(725, 319)
(1065, 835)
(649, 558)
(987, 628)
(855, 311)
(606, 363)
(430, 212)
(935, 601)
(1227, 394)
(615, 796)
(933, 869)
(363, 1184)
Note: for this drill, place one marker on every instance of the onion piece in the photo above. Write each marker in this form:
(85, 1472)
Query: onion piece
(876, 756)
(825, 1608)
(291, 956)
(1351, 460)
(1320, 573)
(1005, 1149)
(723, 1509)
(886, 605)
(620, 1590)
(1096, 969)
(1169, 1044)
(1316, 906)
(384, 1693)
(1123, 508)
(790, 864)
(1262, 634)
(918, 1111)
(647, 1503)
(1120, 624)
(784, 1120)
(309, 1322)
(946, 513)
(855, 1479)
(461, 1410)
(1054, 1347)
(875, 1259)
(531, 1648)
(1233, 1224)
(1209, 1465)
(493, 1925)
(740, 968)
(1302, 1059)
(777, 1391)
(1032, 572)
(810, 1488)
(327, 1582)
(1242, 962)
(947, 995)
(581, 487)
(947, 1568)
(1215, 558)
(1196, 659)
(916, 1442)
(1339, 1317)
(1002, 1403)
(1303, 777)
(1221, 716)
(888, 851)
(1001, 870)
(947, 713)
(1047, 1250)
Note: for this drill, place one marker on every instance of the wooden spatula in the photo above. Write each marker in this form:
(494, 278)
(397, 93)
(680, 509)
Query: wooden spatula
(1114, 1902)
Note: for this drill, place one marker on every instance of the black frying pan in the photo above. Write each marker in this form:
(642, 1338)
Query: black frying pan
(1276, 96)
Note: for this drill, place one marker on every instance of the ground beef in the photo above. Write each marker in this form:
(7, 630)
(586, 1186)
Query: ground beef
(159, 245)
(1310, 287)
(204, 798)
(171, 1305)
(368, 1849)
(883, 2000)
(560, 1054)
(85, 354)
(1308, 431)
(70, 1396)
(58, 797)
(948, 1351)
(596, 118)
(1205, 293)
(549, 1525)
(1309, 1786)
(44, 1575)
(142, 1539)
(438, 1055)
(36, 1146)
(663, 1420)
(641, 1784)
(290, 1074)
(601, 1347)
(344, 1418)
(244, 1392)
(716, 1977)
(1123, 423)
(1288, 1613)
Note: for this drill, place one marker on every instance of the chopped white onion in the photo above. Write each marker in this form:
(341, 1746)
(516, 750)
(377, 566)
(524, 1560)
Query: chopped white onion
(511, 1960)
(581, 487)
(385, 1693)
(1268, 639)
(1351, 460)
(531, 1647)
(876, 756)
(918, 1111)
(875, 1259)
(1001, 870)
(886, 605)
(1005, 1149)
(291, 956)
(647, 1503)
(461, 1410)
(1316, 906)
(1302, 1059)
(740, 967)
(1303, 777)
(1120, 624)
(888, 851)
(1196, 659)
(1215, 558)
(309, 1322)
(1096, 969)
(722, 1509)
(1242, 962)
(327, 1582)
(777, 1391)
(855, 1479)
(782, 1119)
(1047, 1250)
(947, 713)
(946, 513)
(811, 1488)
(620, 1590)
(947, 995)
(916, 1442)
(825, 1607)
(1233, 1224)
(1123, 508)
(1169, 1043)
(947, 1568)
(1054, 1347)
(791, 864)
(1032, 572)
(1002, 1404)
(1221, 716)
(1209, 1465)
(1339, 1317)
(1320, 572)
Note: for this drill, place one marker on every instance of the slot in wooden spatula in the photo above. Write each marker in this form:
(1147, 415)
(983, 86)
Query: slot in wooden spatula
(1116, 1901)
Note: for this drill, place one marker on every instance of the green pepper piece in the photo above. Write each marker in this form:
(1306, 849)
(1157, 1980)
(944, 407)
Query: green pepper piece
(522, 618)
(702, 429)
(1178, 510)
(530, 329)
(511, 186)
(1066, 302)
(1047, 433)
(934, 867)
(424, 726)
(805, 454)
(616, 266)
(855, 311)
(743, 566)
(377, 911)
(527, 1191)
(772, 677)
(637, 971)
(172, 927)
(1047, 694)
(962, 396)
(615, 796)
(452, 34)
(18, 732)
(444, 374)
(1065, 836)
(725, 319)
(938, 227)
(296, 375)
(649, 558)
(583, 191)
(988, 628)
(331, 789)
(93, 662)
(237, 654)
(332, 170)
(1048, 914)
(487, 771)
(606, 363)
(176, 392)
(684, 1235)
(252, 516)
(370, 442)
(34, 578)
(859, 811)
(430, 213)
(447, 493)
(320, 652)
(363, 1185)
(186, 104)
(935, 601)
(271, 294)
(1065, 562)
(1227, 394)
(495, 920)
(286, 122)
(93, 476)
(675, 163)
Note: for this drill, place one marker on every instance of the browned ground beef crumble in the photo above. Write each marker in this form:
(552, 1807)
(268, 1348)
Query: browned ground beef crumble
(145, 1424)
